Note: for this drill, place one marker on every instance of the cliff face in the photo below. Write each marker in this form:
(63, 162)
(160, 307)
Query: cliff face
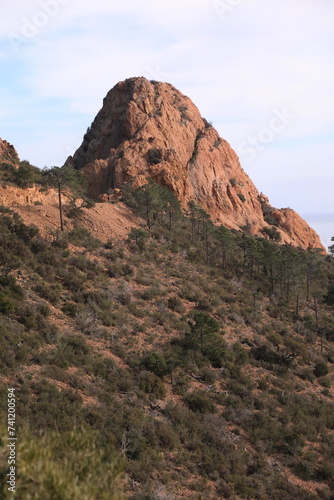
(8, 153)
(151, 130)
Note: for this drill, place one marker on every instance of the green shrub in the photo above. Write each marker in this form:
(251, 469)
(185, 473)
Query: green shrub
(325, 472)
(320, 369)
(50, 333)
(154, 156)
(81, 237)
(6, 305)
(73, 212)
(139, 236)
(60, 240)
(70, 308)
(104, 368)
(47, 470)
(325, 382)
(203, 304)
(240, 354)
(175, 304)
(49, 292)
(329, 297)
(151, 384)
(199, 401)
(9, 282)
(272, 233)
(155, 363)
(72, 350)
(44, 310)
(270, 219)
(207, 123)
(305, 470)
(117, 270)
(216, 351)
(263, 353)
(151, 293)
(201, 329)
(26, 175)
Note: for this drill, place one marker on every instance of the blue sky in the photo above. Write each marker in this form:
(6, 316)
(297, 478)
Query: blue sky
(262, 71)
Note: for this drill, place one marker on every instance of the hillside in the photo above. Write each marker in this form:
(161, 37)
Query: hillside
(174, 338)
(187, 361)
(105, 221)
(148, 129)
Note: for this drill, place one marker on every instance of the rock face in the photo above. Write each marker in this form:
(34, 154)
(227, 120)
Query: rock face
(8, 153)
(13, 196)
(148, 129)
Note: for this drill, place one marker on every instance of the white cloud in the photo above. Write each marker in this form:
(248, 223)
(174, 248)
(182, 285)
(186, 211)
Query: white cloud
(261, 56)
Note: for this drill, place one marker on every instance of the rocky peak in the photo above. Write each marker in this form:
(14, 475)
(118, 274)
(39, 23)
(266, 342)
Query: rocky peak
(8, 153)
(148, 129)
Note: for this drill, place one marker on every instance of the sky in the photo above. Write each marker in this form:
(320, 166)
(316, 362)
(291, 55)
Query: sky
(262, 71)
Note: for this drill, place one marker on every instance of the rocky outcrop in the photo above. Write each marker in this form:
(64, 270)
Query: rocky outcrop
(149, 129)
(12, 196)
(8, 153)
(296, 228)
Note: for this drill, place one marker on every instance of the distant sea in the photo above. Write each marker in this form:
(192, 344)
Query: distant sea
(323, 224)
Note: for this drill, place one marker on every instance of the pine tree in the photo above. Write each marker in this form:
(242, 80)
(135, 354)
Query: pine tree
(67, 180)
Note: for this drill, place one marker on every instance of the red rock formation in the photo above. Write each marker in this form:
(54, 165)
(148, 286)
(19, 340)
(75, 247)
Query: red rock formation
(8, 153)
(13, 196)
(150, 129)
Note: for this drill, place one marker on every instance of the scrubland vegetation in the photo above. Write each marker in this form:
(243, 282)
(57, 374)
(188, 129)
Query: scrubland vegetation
(190, 361)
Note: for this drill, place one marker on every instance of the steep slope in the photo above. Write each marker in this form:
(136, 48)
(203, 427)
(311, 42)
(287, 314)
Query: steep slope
(105, 221)
(201, 378)
(151, 130)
